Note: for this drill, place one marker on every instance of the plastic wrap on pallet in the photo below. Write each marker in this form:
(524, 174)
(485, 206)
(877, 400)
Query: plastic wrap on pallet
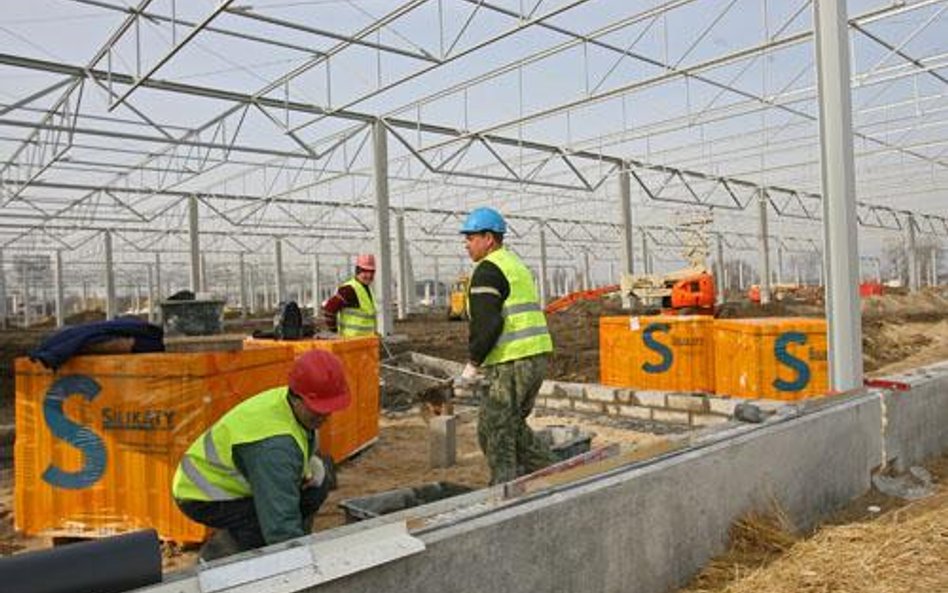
(664, 352)
(782, 358)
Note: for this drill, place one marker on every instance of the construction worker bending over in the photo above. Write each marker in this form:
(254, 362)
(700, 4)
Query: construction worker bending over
(509, 343)
(255, 475)
(351, 311)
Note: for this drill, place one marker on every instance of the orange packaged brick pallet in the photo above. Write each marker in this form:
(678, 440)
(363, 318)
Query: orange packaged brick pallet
(664, 352)
(98, 441)
(771, 358)
(351, 430)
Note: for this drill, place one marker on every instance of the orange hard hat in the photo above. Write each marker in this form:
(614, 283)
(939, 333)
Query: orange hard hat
(319, 379)
(366, 261)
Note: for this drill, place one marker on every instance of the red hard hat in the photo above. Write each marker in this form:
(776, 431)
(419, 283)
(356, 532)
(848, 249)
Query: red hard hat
(366, 261)
(318, 377)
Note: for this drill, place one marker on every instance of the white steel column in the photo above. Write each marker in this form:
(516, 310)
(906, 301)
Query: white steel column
(401, 265)
(763, 202)
(157, 278)
(779, 263)
(253, 290)
(437, 283)
(587, 278)
(109, 277)
(203, 272)
(913, 263)
(840, 241)
(3, 294)
(278, 281)
(934, 265)
(58, 289)
(878, 263)
(544, 284)
(383, 286)
(722, 281)
(27, 314)
(242, 278)
(740, 274)
(315, 281)
(646, 264)
(152, 309)
(195, 237)
(625, 201)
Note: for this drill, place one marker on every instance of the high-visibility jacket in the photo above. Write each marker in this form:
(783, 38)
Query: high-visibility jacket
(208, 472)
(525, 332)
(352, 321)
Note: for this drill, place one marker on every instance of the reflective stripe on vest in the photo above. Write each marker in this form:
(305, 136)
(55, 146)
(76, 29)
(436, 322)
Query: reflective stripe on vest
(208, 472)
(525, 332)
(352, 321)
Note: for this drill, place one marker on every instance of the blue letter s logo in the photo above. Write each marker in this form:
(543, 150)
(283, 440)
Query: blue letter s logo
(801, 368)
(92, 447)
(657, 346)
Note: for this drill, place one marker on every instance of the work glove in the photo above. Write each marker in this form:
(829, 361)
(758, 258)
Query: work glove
(322, 470)
(470, 371)
(465, 385)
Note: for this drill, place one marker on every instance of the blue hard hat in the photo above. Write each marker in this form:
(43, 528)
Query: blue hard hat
(484, 219)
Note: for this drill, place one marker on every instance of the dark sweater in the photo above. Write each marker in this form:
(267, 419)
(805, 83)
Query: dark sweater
(488, 291)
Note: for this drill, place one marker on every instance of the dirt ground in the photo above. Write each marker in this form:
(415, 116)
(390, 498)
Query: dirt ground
(900, 332)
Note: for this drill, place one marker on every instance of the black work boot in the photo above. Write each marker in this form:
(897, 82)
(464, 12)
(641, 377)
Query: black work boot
(219, 545)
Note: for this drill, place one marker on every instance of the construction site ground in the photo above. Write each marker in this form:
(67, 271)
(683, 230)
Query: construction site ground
(900, 332)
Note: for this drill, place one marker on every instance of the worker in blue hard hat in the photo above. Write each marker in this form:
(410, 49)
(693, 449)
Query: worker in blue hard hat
(509, 346)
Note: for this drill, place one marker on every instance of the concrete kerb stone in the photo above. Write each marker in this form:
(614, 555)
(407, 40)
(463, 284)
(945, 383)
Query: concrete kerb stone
(652, 399)
(556, 403)
(725, 406)
(601, 393)
(687, 401)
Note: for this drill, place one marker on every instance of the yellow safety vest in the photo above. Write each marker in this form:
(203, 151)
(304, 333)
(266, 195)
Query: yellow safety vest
(525, 332)
(352, 321)
(208, 472)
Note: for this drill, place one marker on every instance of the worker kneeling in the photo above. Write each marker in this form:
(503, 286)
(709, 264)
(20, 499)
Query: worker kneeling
(254, 475)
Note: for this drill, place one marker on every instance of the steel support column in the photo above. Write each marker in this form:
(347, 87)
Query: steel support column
(157, 279)
(840, 242)
(401, 265)
(646, 264)
(913, 264)
(763, 202)
(625, 202)
(721, 280)
(195, 237)
(58, 288)
(279, 285)
(242, 278)
(544, 285)
(934, 265)
(3, 294)
(110, 304)
(152, 312)
(779, 264)
(383, 264)
(315, 282)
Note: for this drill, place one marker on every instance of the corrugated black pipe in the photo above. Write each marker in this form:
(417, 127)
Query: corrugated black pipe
(108, 565)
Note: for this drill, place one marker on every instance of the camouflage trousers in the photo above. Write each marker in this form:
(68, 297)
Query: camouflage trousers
(508, 443)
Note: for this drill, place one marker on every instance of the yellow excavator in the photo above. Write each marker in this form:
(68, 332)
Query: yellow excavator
(456, 308)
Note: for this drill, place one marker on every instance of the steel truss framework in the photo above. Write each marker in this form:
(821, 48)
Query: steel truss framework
(265, 113)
